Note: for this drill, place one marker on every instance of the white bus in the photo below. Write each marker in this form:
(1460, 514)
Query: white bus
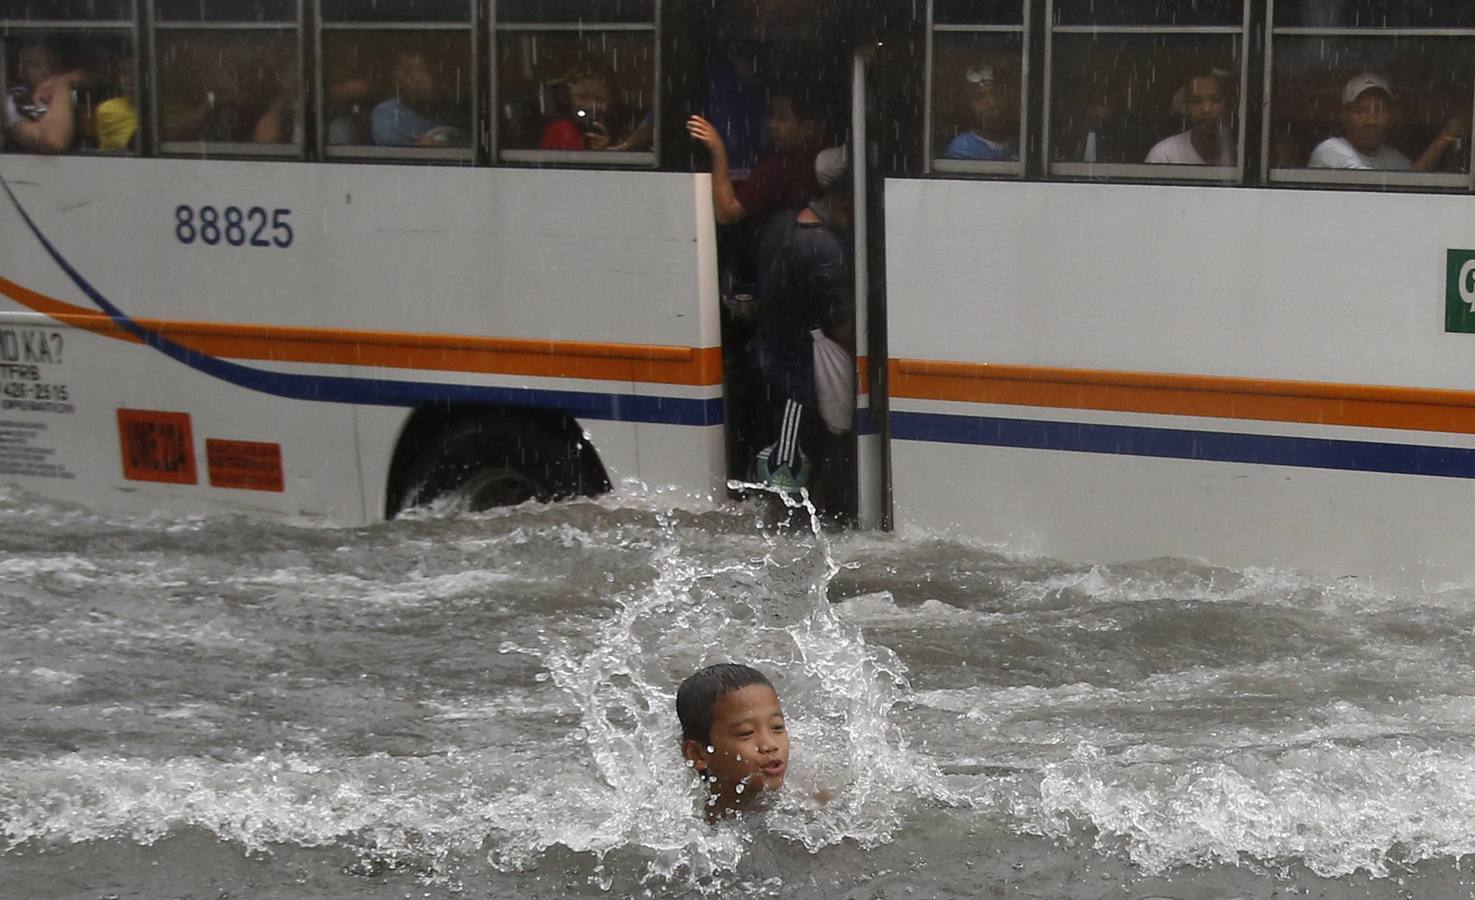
(334, 257)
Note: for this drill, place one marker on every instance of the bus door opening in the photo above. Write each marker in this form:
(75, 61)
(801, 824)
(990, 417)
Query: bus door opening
(786, 257)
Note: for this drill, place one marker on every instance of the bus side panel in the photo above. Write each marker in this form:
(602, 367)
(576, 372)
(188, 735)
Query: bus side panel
(290, 293)
(116, 426)
(606, 258)
(1047, 343)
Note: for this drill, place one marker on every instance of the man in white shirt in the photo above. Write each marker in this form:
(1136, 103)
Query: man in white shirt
(1209, 141)
(1367, 114)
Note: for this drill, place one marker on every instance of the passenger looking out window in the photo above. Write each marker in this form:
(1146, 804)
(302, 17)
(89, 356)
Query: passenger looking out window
(40, 107)
(410, 118)
(784, 176)
(226, 87)
(1368, 113)
(993, 120)
(587, 117)
(116, 119)
(1206, 100)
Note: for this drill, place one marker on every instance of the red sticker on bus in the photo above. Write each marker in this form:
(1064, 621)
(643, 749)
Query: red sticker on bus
(157, 446)
(247, 465)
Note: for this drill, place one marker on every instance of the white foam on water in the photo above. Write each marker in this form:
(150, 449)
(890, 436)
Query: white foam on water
(390, 806)
(415, 588)
(1337, 808)
(881, 609)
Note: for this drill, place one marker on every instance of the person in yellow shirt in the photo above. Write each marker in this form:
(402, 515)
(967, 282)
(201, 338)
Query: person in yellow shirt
(117, 119)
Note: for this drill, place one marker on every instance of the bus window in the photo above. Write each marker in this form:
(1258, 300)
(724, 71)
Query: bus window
(229, 77)
(34, 11)
(975, 13)
(1374, 14)
(575, 86)
(72, 90)
(1154, 13)
(1356, 101)
(398, 79)
(1147, 90)
(975, 92)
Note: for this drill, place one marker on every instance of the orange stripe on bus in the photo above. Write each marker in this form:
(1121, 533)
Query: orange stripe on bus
(647, 363)
(1222, 397)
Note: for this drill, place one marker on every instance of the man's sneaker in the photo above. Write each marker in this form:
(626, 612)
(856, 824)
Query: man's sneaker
(783, 478)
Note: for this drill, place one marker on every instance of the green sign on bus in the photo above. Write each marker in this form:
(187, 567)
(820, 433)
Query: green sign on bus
(1459, 292)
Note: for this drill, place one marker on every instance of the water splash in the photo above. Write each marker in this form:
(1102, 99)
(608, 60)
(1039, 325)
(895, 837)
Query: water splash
(635, 797)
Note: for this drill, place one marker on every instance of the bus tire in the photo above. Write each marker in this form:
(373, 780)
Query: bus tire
(492, 461)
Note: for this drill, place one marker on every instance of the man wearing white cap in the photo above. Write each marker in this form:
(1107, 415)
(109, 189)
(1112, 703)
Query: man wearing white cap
(1367, 114)
(993, 132)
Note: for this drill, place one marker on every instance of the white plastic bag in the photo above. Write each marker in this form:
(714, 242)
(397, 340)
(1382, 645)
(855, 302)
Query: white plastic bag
(834, 383)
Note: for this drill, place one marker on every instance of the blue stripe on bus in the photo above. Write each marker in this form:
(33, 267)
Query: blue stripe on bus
(384, 392)
(1174, 443)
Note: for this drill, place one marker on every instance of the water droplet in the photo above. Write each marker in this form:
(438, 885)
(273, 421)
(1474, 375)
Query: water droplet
(739, 757)
(690, 763)
(739, 789)
(711, 749)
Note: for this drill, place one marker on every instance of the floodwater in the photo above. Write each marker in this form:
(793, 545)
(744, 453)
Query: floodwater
(481, 705)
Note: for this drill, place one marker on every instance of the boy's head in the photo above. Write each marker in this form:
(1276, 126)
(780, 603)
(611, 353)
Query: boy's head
(732, 732)
(991, 102)
(793, 120)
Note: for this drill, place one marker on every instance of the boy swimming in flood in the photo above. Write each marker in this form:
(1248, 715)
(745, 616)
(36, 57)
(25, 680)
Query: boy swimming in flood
(732, 733)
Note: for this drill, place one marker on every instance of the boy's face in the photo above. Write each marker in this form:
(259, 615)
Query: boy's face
(589, 94)
(36, 65)
(1208, 105)
(413, 78)
(785, 129)
(990, 107)
(750, 745)
(1366, 120)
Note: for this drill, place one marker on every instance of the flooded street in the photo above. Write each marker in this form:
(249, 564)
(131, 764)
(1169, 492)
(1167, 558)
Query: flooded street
(481, 705)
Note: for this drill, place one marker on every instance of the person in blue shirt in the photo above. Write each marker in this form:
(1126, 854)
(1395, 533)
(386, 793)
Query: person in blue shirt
(406, 120)
(993, 132)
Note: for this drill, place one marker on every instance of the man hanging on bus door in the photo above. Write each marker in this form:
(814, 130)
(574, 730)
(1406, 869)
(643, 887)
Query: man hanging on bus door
(784, 176)
(806, 298)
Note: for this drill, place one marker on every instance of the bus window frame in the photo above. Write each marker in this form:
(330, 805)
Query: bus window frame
(293, 149)
(1147, 172)
(1355, 178)
(13, 27)
(467, 155)
(632, 159)
(942, 165)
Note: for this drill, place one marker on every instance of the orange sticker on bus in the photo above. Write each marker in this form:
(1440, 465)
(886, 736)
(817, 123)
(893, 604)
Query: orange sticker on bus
(157, 446)
(247, 465)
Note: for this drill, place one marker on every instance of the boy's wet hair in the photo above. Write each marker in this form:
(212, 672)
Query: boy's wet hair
(806, 102)
(703, 688)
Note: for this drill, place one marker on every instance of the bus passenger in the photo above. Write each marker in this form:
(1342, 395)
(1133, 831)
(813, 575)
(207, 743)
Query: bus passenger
(784, 177)
(40, 110)
(117, 119)
(993, 132)
(404, 121)
(804, 290)
(585, 124)
(1367, 114)
(1207, 100)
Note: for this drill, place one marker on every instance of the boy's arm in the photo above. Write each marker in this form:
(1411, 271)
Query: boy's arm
(725, 205)
(1448, 136)
(53, 132)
